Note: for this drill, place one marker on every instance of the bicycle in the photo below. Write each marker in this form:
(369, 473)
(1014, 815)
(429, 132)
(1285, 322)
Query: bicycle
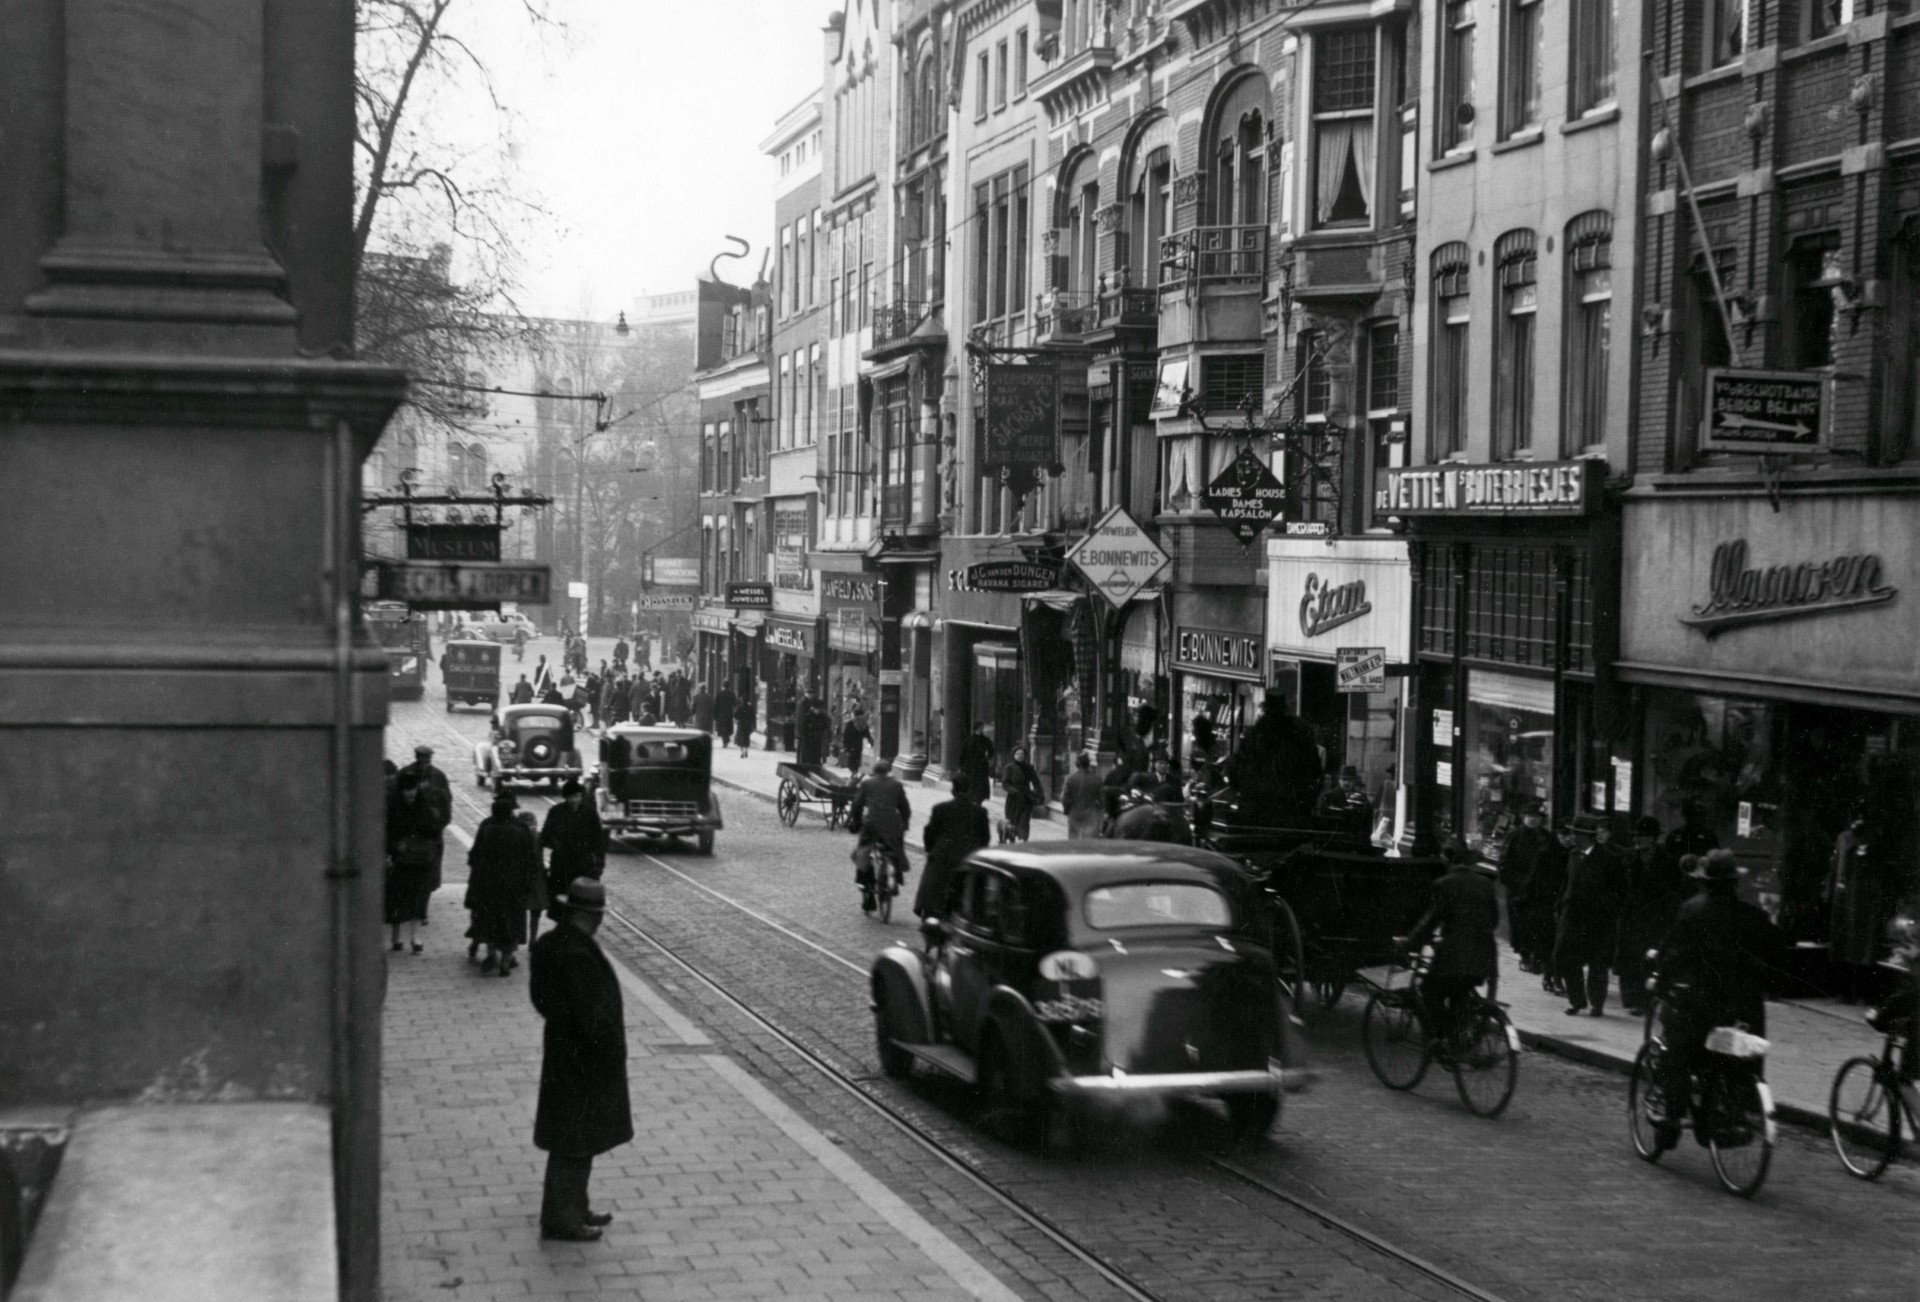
(1869, 1102)
(878, 886)
(1483, 1054)
(1730, 1106)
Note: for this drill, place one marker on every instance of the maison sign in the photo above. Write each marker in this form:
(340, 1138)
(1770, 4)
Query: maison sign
(1739, 594)
(1326, 606)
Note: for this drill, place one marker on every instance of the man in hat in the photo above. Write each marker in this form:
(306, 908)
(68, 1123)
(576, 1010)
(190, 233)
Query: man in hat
(1347, 805)
(1655, 888)
(1590, 915)
(1716, 965)
(1278, 768)
(583, 1109)
(1465, 913)
(575, 842)
(436, 793)
(880, 814)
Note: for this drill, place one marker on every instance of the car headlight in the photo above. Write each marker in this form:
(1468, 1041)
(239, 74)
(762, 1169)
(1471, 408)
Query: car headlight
(1069, 965)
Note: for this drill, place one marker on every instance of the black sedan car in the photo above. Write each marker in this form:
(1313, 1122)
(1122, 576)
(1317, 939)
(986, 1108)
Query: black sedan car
(1068, 976)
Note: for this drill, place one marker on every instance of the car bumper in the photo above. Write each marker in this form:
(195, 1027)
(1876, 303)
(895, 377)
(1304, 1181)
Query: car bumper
(538, 775)
(1162, 1084)
(658, 826)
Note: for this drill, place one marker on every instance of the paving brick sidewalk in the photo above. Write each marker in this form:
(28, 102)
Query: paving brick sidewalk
(723, 1193)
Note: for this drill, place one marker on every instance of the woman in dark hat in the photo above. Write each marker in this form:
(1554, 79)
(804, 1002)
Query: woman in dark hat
(413, 840)
(502, 868)
(573, 836)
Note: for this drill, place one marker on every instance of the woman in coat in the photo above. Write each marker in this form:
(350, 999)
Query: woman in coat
(501, 869)
(413, 843)
(723, 706)
(745, 715)
(702, 709)
(1022, 782)
(955, 829)
(1082, 801)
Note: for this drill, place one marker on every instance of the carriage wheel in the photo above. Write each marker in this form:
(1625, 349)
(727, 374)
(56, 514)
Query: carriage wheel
(1288, 949)
(789, 802)
(837, 813)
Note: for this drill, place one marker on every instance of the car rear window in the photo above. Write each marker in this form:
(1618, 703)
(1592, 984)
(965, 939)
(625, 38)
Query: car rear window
(1156, 904)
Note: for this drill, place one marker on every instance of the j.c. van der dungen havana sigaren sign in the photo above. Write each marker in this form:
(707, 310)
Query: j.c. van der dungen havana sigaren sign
(1739, 594)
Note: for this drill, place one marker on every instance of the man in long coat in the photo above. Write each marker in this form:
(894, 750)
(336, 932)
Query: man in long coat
(702, 705)
(810, 732)
(955, 829)
(1590, 915)
(880, 814)
(502, 867)
(1656, 886)
(1277, 770)
(976, 761)
(1466, 913)
(1521, 874)
(573, 836)
(723, 713)
(583, 1109)
(437, 792)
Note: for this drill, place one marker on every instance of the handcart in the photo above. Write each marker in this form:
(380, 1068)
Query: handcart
(815, 784)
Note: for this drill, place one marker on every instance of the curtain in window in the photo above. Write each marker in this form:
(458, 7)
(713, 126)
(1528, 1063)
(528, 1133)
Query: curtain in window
(1363, 159)
(1336, 150)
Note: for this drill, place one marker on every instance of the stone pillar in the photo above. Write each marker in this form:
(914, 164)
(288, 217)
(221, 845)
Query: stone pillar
(190, 716)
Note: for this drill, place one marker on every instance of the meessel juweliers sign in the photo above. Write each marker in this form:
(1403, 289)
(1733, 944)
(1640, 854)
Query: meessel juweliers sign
(1739, 593)
(1512, 488)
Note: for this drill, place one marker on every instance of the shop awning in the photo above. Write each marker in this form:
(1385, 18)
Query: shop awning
(1054, 598)
(1715, 683)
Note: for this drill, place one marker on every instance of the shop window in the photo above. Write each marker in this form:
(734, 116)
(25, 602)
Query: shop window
(1588, 332)
(1507, 760)
(1593, 28)
(1510, 607)
(1343, 138)
(1454, 130)
(1519, 298)
(1436, 614)
(1520, 67)
(1452, 318)
(1812, 271)
(1727, 27)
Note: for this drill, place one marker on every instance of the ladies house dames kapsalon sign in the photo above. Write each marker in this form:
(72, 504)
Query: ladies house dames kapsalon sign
(1739, 594)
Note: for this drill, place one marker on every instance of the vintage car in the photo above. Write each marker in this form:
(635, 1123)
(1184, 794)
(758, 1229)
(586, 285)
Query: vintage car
(470, 671)
(1060, 977)
(530, 746)
(656, 783)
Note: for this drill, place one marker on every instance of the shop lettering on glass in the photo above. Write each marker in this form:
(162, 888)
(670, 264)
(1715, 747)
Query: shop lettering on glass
(1764, 411)
(1246, 496)
(1219, 652)
(1549, 488)
(1003, 576)
(788, 639)
(851, 588)
(1326, 606)
(1739, 594)
(1021, 433)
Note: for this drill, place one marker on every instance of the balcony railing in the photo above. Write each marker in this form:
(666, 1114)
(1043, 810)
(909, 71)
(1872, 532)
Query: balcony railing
(898, 319)
(1062, 315)
(1214, 254)
(1122, 305)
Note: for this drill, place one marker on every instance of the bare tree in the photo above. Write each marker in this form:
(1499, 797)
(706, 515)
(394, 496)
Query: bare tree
(433, 193)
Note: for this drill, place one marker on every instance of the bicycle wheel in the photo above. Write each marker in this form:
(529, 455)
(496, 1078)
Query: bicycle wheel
(1863, 1116)
(884, 888)
(1740, 1140)
(789, 802)
(1395, 1039)
(1487, 1066)
(1646, 1102)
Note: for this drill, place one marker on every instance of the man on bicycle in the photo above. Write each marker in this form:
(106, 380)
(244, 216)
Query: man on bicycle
(1714, 969)
(880, 814)
(1466, 913)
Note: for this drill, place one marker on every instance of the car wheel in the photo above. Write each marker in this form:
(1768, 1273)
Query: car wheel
(1008, 1110)
(894, 1061)
(1251, 1116)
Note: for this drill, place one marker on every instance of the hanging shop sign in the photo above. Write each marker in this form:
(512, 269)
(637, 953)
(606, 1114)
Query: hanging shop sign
(449, 585)
(1360, 669)
(1219, 653)
(750, 596)
(1020, 435)
(708, 621)
(1004, 576)
(1512, 488)
(850, 589)
(663, 601)
(1246, 496)
(675, 571)
(1764, 411)
(1117, 557)
(453, 542)
(1739, 594)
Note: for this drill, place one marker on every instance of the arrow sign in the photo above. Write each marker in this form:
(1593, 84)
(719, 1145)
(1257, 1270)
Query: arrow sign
(1764, 411)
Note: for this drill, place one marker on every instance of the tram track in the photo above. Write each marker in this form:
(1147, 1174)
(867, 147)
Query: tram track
(931, 1143)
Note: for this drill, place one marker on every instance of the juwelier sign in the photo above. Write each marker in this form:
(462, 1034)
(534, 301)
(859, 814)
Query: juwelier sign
(1219, 653)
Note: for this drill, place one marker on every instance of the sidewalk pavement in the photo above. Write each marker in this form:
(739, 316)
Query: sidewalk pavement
(1811, 1038)
(725, 1192)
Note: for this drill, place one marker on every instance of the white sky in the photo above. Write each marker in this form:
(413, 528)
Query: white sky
(640, 128)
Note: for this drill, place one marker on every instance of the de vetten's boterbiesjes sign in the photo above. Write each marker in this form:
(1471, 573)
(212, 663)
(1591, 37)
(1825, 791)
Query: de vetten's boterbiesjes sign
(1246, 496)
(1511, 488)
(1117, 557)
